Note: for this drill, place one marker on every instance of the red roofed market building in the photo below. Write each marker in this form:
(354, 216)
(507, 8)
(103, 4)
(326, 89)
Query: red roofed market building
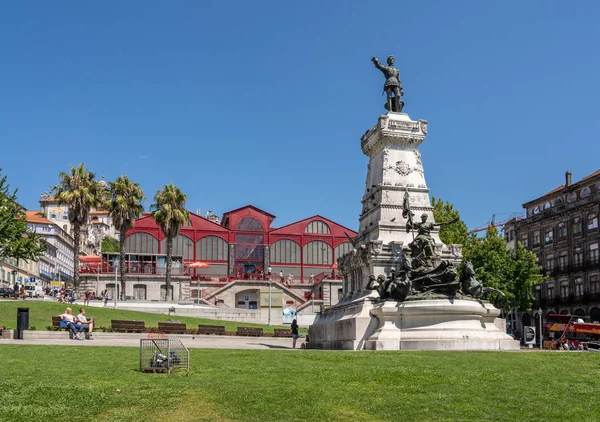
(244, 253)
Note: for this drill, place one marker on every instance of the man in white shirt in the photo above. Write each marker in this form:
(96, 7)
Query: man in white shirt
(87, 324)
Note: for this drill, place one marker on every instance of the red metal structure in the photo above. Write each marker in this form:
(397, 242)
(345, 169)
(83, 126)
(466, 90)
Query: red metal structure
(244, 245)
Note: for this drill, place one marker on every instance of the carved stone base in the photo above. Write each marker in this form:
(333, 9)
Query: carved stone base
(440, 324)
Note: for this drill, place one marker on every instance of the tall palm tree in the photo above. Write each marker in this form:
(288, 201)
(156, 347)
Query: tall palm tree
(169, 212)
(80, 192)
(124, 205)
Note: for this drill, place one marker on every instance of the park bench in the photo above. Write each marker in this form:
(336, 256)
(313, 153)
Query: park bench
(128, 326)
(172, 327)
(56, 323)
(211, 329)
(282, 332)
(249, 331)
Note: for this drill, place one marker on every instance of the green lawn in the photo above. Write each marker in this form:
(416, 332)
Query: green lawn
(40, 316)
(57, 383)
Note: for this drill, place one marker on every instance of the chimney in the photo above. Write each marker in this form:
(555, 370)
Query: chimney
(568, 178)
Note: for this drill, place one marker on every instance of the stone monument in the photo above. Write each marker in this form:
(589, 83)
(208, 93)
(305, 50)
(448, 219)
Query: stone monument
(401, 289)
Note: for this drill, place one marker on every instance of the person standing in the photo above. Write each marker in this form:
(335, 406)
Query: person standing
(295, 334)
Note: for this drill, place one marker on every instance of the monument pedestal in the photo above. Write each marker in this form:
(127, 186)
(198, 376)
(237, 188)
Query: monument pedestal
(367, 323)
(439, 324)
(395, 196)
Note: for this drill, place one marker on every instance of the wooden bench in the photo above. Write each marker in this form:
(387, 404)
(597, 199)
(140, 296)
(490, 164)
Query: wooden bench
(128, 326)
(172, 327)
(211, 329)
(282, 332)
(56, 323)
(249, 331)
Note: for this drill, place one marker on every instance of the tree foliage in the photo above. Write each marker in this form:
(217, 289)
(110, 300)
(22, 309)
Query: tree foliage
(513, 273)
(124, 203)
(110, 244)
(456, 233)
(170, 213)
(16, 240)
(80, 192)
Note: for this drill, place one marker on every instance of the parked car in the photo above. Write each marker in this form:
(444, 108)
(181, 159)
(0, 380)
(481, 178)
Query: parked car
(34, 291)
(6, 292)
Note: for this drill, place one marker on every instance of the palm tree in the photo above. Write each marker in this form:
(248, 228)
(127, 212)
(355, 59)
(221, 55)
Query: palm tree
(79, 192)
(169, 212)
(124, 205)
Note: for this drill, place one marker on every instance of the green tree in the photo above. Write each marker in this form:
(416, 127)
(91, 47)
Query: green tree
(169, 212)
(456, 233)
(110, 244)
(16, 240)
(80, 192)
(125, 206)
(513, 273)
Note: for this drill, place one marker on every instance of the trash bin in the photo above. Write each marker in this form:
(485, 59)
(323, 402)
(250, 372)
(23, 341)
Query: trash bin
(22, 322)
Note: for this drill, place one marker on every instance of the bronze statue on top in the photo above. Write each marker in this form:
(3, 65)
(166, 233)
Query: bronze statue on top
(392, 84)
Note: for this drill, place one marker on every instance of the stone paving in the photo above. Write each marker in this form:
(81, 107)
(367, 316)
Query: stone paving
(192, 342)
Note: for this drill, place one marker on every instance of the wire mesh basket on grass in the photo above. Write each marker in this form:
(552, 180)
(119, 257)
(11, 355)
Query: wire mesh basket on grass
(163, 355)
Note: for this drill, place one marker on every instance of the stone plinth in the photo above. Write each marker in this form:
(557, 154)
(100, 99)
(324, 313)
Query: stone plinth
(441, 324)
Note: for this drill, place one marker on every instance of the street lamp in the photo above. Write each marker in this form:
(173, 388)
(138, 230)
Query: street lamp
(270, 282)
(541, 333)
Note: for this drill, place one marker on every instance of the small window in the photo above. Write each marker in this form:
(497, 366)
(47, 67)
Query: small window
(548, 235)
(64, 217)
(562, 230)
(536, 238)
(577, 226)
(592, 221)
(593, 253)
(524, 240)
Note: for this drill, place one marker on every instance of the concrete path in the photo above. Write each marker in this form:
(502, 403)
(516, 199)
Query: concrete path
(191, 342)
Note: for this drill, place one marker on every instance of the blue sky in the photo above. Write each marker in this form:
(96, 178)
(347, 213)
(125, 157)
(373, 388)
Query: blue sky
(264, 103)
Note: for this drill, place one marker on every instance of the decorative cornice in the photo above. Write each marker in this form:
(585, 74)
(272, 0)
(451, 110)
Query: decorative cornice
(393, 131)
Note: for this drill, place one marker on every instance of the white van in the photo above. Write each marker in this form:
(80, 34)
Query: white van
(34, 291)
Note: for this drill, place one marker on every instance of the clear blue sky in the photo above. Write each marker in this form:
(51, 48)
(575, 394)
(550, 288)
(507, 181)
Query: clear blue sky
(264, 103)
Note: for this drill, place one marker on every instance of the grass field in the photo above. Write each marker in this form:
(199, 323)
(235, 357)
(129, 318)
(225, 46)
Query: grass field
(57, 383)
(40, 316)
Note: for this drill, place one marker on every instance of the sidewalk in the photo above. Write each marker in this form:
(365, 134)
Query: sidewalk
(190, 341)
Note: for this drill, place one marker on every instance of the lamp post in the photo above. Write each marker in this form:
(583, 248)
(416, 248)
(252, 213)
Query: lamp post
(270, 281)
(115, 293)
(541, 333)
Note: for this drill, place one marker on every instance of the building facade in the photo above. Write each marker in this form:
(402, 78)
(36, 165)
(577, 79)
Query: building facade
(99, 224)
(246, 260)
(561, 228)
(55, 266)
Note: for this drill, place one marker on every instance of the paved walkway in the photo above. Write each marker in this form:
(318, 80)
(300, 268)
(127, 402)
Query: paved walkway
(191, 342)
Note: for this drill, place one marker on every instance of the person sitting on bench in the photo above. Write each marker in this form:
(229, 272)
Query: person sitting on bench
(68, 321)
(86, 324)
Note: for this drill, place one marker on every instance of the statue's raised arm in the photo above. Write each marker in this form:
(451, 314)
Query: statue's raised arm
(392, 86)
(446, 223)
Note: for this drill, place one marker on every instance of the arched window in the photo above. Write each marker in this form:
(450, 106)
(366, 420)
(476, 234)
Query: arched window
(250, 224)
(342, 249)
(585, 192)
(285, 251)
(212, 248)
(318, 253)
(141, 243)
(317, 226)
(182, 246)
